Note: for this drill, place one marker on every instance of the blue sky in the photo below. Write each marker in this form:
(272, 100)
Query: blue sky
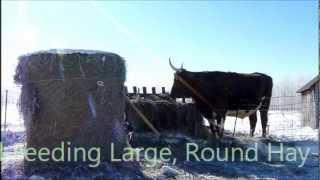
(277, 38)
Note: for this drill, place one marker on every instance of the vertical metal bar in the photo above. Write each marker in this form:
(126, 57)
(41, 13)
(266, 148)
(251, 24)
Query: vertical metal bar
(153, 90)
(5, 111)
(235, 124)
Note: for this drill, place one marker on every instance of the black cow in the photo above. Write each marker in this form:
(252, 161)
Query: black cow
(218, 93)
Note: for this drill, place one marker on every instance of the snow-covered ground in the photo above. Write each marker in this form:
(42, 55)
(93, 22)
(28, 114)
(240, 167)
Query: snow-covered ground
(283, 127)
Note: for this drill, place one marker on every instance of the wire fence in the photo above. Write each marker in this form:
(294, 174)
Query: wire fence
(281, 105)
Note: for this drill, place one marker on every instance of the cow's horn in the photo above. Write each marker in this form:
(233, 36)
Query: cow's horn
(174, 68)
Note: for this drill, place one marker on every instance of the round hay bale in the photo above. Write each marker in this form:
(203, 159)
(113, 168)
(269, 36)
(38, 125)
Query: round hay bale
(73, 96)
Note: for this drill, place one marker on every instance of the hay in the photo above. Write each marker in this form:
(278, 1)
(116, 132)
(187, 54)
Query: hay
(72, 95)
(167, 116)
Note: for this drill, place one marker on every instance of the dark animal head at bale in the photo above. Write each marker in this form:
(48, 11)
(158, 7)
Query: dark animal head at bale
(72, 95)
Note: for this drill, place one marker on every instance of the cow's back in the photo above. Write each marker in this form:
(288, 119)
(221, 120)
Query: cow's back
(237, 90)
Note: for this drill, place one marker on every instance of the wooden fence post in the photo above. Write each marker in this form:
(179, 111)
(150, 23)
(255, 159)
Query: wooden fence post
(163, 90)
(134, 90)
(144, 90)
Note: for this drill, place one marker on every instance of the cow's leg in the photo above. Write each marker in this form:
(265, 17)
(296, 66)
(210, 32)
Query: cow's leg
(264, 113)
(264, 121)
(214, 127)
(253, 122)
(221, 127)
(213, 124)
(221, 119)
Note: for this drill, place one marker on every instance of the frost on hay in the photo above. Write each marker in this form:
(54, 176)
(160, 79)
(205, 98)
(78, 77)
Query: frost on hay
(75, 96)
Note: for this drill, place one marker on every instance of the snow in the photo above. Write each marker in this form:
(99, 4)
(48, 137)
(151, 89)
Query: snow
(283, 126)
(36, 177)
(12, 137)
(169, 171)
(67, 51)
(14, 119)
(103, 59)
(61, 69)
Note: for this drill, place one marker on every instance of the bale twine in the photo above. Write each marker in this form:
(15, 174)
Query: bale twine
(75, 96)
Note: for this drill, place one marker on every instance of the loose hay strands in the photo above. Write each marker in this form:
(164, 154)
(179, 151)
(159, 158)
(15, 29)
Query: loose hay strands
(54, 98)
